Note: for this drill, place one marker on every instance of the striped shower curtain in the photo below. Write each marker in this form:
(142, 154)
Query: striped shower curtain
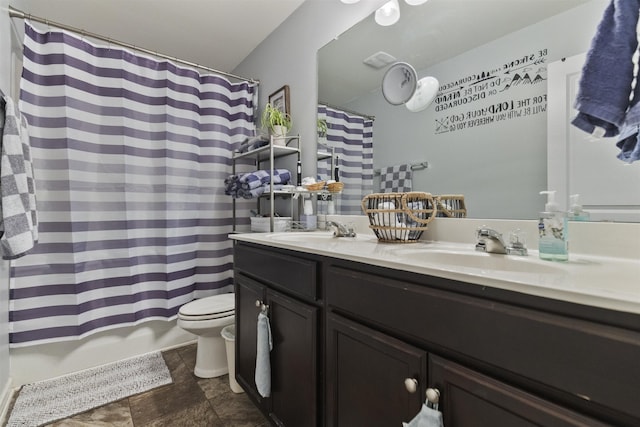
(130, 156)
(352, 138)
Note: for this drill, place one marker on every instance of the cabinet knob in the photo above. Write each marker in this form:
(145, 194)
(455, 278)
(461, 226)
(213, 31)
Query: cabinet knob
(433, 397)
(262, 306)
(411, 384)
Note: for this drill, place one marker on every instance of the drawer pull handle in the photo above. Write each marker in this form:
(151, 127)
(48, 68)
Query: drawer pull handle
(411, 384)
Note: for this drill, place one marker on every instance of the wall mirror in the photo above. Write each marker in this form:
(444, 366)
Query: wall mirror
(485, 134)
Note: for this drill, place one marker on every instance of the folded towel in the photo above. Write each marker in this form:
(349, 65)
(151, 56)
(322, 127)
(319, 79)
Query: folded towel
(396, 179)
(604, 101)
(263, 362)
(18, 214)
(253, 184)
(252, 143)
(427, 417)
(256, 179)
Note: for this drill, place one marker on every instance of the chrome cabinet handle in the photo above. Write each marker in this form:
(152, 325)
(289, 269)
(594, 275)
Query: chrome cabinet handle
(411, 384)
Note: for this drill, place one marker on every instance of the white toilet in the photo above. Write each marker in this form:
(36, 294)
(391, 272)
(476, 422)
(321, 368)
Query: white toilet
(205, 318)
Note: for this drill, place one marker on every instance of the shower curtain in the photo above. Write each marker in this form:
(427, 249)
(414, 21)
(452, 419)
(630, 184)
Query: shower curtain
(130, 155)
(352, 138)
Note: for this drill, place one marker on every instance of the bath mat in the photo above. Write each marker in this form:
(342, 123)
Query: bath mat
(46, 401)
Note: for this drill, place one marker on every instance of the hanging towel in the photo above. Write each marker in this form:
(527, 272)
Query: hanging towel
(396, 179)
(18, 215)
(263, 362)
(427, 417)
(604, 93)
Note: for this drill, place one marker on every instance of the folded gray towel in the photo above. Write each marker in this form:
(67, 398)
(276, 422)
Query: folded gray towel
(427, 417)
(263, 362)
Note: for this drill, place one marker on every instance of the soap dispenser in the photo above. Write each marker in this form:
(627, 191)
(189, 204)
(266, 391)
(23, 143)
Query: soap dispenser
(553, 243)
(576, 213)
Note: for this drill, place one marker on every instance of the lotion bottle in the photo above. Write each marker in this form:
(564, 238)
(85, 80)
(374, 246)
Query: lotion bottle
(576, 213)
(553, 243)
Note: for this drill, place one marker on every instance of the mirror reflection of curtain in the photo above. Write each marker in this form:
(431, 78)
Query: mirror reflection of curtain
(351, 137)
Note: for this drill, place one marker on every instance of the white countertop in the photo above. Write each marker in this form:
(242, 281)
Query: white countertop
(606, 282)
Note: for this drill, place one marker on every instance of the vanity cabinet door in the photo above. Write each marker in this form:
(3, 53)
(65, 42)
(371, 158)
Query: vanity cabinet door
(293, 358)
(366, 373)
(294, 382)
(247, 293)
(470, 399)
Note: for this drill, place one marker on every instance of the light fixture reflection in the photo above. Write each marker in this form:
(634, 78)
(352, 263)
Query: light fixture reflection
(351, 1)
(413, 2)
(388, 14)
(424, 95)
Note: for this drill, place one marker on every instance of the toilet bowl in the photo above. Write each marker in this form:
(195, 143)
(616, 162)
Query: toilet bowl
(205, 318)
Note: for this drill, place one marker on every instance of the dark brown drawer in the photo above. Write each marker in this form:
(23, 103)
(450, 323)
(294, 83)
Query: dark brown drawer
(599, 364)
(285, 272)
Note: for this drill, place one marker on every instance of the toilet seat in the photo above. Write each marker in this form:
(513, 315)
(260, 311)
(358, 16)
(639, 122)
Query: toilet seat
(213, 307)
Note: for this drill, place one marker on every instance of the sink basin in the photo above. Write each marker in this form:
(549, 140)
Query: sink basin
(479, 260)
(315, 236)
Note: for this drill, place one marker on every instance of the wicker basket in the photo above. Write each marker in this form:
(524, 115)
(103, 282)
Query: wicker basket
(399, 217)
(335, 187)
(315, 187)
(451, 206)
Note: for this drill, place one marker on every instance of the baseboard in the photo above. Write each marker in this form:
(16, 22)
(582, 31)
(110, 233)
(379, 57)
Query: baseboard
(5, 401)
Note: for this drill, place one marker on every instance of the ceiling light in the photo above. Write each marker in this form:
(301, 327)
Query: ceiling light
(351, 1)
(388, 14)
(412, 2)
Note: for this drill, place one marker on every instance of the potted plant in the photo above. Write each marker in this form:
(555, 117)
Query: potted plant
(277, 122)
(322, 128)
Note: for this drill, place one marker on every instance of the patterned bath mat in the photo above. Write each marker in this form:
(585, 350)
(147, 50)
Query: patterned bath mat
(46, 401)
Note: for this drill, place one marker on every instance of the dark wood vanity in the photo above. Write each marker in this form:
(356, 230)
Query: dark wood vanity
(346, 336)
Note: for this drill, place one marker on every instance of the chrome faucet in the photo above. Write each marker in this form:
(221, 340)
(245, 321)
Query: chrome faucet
(341, 229)
(490, 241)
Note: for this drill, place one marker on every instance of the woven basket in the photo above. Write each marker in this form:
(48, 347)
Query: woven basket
(451, 206)
(335, 187)
(315, 187)
(399, 217)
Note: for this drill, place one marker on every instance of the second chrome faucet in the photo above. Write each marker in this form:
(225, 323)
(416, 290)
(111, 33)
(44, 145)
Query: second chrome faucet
(491, 241)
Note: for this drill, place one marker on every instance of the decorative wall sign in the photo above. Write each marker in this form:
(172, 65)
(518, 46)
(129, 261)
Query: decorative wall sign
(466, 102)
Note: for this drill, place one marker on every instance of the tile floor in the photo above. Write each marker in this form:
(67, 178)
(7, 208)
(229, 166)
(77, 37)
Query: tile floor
(188, 401)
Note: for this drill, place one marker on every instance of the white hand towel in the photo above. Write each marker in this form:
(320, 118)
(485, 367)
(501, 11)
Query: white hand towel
(263, 362)
(427, 417)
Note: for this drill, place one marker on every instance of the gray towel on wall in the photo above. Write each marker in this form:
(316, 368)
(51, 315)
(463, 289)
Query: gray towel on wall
(263, 362)
(396, 179)
(18, 214)
(427, 417)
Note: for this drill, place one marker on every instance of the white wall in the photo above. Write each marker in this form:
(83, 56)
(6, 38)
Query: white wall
(289, 57)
